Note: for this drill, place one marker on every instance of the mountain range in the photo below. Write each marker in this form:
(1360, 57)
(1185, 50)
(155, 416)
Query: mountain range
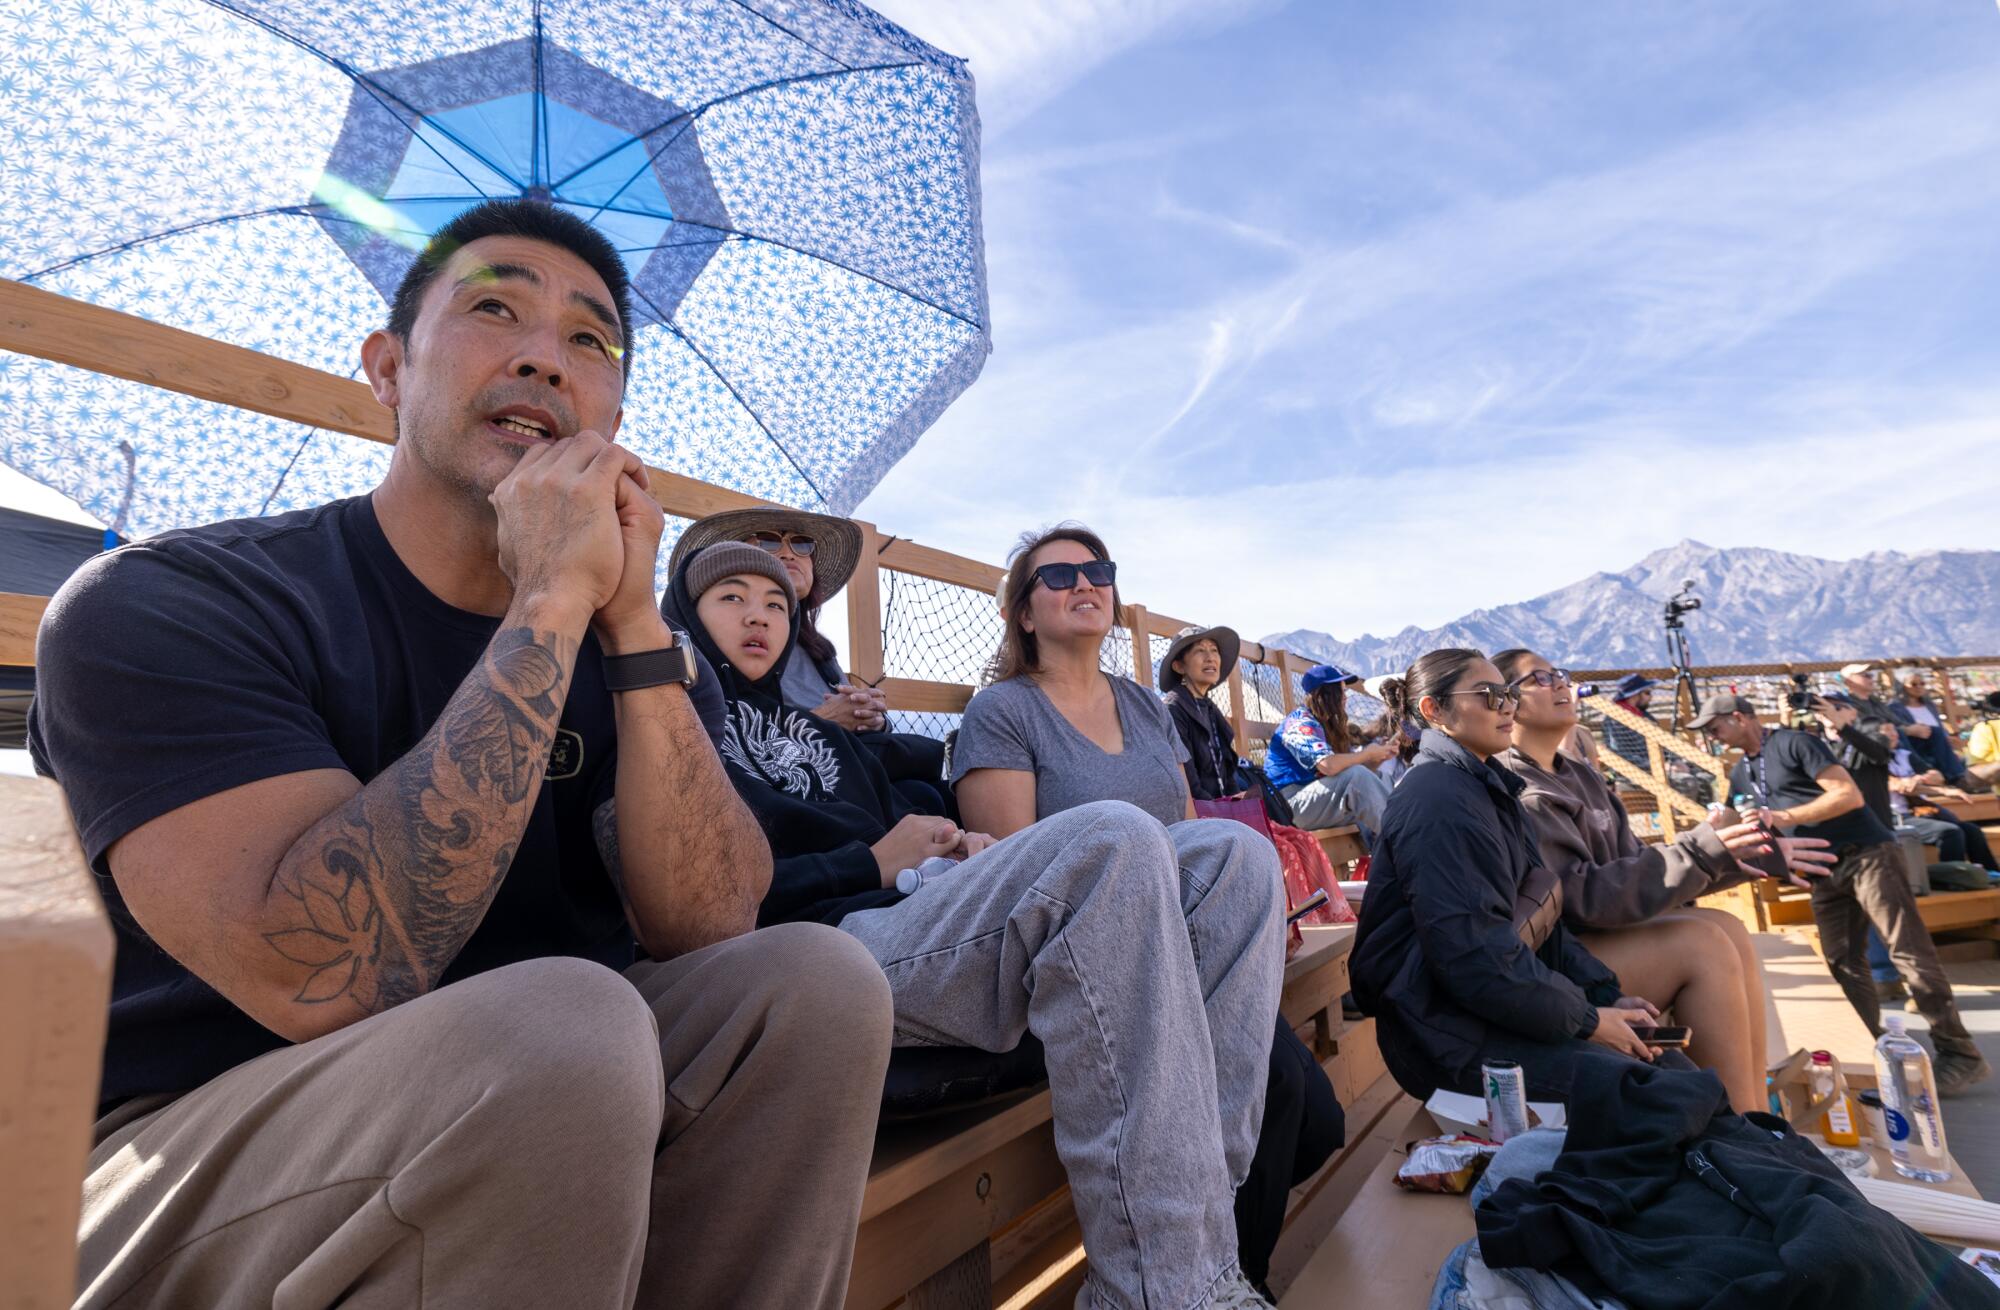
(1757, 606)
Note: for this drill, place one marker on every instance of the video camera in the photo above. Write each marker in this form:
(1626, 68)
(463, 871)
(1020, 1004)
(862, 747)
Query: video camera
(1682, 602)
(1802, 696)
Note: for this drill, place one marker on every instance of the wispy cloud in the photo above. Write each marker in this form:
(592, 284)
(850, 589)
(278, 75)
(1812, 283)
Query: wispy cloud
(1531, 348)
(1027, 52)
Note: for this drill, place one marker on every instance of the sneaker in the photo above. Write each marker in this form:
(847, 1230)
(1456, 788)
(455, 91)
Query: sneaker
(1956, 1072)
(1236, 1293)
(1893, 990)
(1911, 1006)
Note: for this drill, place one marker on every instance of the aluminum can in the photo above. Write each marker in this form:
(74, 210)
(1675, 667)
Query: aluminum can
(1506, 1099)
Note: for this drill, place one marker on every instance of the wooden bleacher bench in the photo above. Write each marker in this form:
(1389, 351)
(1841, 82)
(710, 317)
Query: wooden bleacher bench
(1342, 846)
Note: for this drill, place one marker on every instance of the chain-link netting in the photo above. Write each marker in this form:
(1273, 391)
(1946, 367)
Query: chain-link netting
(1115, 657)
(937, 631)
(1263, 699)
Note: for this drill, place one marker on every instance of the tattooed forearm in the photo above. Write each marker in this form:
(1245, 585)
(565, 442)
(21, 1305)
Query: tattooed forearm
(604, 827)
(689, 860)
(378, 897)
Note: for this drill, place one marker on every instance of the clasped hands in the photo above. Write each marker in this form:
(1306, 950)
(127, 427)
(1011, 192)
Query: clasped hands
(920, 837)
(578, 528)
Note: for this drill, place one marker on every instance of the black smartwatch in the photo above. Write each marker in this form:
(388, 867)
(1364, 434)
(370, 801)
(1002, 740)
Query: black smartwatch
(652, 668)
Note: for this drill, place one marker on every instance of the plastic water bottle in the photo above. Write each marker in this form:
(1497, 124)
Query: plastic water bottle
(1909, 1105)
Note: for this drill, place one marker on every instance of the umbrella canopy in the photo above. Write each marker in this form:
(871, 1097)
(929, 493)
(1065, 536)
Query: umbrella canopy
(793, 185)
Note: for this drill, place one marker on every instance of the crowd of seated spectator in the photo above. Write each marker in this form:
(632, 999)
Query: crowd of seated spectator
(494, 931)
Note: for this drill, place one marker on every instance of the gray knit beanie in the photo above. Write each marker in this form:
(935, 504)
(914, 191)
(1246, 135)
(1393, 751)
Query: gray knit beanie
(736, 558)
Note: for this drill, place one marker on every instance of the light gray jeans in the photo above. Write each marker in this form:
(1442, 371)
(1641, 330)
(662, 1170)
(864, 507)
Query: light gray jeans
(1148, 960)
(1355, 795)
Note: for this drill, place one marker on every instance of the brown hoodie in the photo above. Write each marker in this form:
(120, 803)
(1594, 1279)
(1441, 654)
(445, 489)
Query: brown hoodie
(1610, 878)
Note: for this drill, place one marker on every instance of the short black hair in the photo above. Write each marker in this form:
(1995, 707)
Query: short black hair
(536, 220)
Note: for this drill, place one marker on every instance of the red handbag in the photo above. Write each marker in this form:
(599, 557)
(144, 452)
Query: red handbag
(1306, 867)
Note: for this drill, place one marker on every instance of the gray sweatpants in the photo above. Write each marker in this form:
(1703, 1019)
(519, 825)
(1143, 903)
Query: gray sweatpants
(1356, 795)
(1148, 960)
(694, 1133)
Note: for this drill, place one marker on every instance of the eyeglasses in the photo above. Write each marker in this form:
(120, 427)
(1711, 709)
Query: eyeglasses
(1545, 678)
(1062, 577)
(799, 543)
(1497, 697)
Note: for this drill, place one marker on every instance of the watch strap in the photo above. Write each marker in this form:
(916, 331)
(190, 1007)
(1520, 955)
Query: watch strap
(649, 668)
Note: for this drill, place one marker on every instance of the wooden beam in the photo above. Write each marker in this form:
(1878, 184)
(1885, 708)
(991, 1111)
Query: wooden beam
(20, 617)
(920, 697)
(907, 556)
(53, 327)
(864, 610)
(1236, 717)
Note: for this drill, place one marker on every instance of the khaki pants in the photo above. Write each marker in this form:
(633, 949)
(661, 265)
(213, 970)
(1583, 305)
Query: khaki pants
(1868, 887)
(695, 1133)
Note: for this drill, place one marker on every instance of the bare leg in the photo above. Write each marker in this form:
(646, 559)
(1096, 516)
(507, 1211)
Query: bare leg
(1753, 979)
(1689, 964)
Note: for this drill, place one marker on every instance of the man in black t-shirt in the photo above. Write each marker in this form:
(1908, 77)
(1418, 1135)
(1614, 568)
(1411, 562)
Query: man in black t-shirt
(435, 980)
(1795, 780)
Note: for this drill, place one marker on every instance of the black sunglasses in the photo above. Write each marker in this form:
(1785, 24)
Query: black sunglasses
(801, 545)
(1545, 678)
(1497, 697)
(1062, 577)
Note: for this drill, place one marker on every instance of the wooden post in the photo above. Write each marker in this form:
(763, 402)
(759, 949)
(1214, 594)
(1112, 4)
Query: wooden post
(1285, 680)
(1662, 789)
(55, 971)
(1142, 647)
(1942, 677)
(864, 609)
(20, 619)
(1236, 715)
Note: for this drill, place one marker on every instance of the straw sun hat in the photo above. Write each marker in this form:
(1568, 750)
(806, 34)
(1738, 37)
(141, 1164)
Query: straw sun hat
(1227, 643)
(836, 541)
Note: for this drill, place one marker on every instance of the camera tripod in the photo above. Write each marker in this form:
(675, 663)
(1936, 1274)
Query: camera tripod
(1678, 658)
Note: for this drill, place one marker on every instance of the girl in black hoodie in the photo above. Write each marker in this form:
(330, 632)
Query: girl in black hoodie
(1078, 929)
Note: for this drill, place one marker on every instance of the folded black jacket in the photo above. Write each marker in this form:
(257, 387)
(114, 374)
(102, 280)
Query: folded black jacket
(1667, 1201)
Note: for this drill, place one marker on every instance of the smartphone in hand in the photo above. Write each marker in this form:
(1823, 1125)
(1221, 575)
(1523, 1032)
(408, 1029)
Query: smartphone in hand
(1671, 1035)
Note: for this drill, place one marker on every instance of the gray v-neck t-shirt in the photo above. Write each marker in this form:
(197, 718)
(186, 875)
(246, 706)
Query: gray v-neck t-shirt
(1014, 725)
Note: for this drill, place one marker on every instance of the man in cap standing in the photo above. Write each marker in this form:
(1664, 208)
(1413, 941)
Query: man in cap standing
(1794, 779)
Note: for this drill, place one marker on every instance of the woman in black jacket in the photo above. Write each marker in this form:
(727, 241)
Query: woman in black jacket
(1461, 953)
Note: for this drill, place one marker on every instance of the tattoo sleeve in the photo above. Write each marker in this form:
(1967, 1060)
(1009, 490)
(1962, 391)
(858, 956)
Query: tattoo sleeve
(378, 897)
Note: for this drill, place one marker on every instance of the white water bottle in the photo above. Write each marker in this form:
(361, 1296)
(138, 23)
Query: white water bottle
(1909, 1105)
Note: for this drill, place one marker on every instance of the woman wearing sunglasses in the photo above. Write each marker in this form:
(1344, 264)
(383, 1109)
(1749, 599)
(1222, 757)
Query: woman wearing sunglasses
(1053, 731)
(1628, 901)
(1461, 954)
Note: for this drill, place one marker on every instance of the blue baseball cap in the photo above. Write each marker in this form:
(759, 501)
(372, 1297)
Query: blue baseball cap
(1325, 675)
(1632, 684)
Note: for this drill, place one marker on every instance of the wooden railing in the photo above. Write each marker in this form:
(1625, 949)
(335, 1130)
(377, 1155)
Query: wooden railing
(54, 327)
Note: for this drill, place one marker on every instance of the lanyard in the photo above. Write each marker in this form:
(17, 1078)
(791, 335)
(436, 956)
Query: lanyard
(1762, 783)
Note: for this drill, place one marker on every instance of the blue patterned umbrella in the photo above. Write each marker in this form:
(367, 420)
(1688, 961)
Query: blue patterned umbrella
(793, 183)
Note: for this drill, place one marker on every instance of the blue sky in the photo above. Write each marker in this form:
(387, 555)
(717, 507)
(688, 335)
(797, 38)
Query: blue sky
(1350, 315)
